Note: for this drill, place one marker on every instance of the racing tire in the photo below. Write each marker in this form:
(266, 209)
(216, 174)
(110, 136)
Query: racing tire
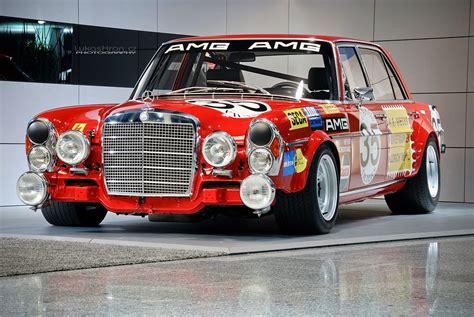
(314, 209)
(420, 194)
(74, 214)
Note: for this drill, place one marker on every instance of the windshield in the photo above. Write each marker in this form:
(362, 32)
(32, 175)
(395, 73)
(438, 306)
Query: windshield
(294, 68)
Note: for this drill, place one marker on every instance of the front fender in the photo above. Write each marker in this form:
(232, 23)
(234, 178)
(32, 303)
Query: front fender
(297, 181)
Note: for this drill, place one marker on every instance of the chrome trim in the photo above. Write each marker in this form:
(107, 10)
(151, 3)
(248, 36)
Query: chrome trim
(369, 188)
(297, 142)
(78, 171)
(221, 173)
(275, 169)
(156, 116)
(227, 136)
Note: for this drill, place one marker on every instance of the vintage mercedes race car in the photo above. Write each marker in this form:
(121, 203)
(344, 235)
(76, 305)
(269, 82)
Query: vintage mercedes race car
(288, 125)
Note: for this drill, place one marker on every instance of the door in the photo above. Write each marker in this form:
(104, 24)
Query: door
(389, 97)
(367, 124)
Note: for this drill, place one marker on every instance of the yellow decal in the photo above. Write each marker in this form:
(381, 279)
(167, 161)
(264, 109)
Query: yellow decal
(397, 119)
(400, 153)
(79, 126)
(330, 108)
(300, 161)
(297, 119)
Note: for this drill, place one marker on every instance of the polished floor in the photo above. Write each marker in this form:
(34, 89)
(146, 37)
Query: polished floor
(424, 277)
(370, 221)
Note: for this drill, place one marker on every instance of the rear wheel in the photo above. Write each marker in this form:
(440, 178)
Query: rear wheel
(421, 192)
(74, 214)
(314, 209)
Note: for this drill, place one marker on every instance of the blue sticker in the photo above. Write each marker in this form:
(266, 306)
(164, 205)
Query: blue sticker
(288, 163)
(315, 120)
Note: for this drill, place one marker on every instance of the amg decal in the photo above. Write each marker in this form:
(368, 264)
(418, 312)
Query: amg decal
(337, 124)
(211, 46)
(302, 46)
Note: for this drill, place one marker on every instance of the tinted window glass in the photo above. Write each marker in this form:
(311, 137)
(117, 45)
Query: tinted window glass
(378, 76)
(395, 85)
(354, 77)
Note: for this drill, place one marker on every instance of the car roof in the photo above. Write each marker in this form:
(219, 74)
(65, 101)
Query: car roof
(327, 38)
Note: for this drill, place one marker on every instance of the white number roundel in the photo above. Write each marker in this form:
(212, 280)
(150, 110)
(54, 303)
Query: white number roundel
(234, 108)
(370, 144)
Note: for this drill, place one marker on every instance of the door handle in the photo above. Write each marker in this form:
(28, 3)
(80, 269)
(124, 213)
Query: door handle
(380, 116)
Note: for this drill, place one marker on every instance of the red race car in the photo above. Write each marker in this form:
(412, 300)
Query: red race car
(290, 125)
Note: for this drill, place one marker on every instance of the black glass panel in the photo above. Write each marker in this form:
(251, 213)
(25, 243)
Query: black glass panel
(54, 52)
(39, 51)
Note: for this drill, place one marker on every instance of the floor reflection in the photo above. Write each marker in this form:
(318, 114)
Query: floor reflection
(409, 278)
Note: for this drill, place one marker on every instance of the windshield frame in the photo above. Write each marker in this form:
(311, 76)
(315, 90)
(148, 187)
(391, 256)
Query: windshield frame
(162, 50)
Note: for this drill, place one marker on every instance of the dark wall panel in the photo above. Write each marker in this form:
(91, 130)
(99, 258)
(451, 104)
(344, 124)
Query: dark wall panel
(52, 52)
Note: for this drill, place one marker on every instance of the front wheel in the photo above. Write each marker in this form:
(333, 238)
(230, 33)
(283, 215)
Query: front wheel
(74, 214)
(314, 209)
(421, 193)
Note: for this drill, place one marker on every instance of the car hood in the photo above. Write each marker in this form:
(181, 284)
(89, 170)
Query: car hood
(232, 115)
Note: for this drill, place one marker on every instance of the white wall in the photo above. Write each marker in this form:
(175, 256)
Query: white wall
(430, 40)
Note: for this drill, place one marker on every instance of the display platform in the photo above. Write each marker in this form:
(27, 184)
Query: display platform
(365, 222)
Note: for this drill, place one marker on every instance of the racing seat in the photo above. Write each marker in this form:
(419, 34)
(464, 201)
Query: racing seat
(225, 74)
(318, 83)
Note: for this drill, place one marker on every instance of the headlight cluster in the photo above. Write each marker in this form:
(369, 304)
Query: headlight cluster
(263, 146)
(219, 149)
(42, 135)
(73, 147)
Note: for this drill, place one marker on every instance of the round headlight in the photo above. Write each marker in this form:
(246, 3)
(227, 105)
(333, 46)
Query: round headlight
(38, 131)
(257, 191)
(219, 149)
(72, 147)
(32, 189)
(260, 160)
(39, 158)
(261, 133)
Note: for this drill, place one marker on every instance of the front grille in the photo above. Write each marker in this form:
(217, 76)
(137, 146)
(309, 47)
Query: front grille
(149, 158)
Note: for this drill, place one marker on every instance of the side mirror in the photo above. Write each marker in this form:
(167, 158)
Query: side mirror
(364, 93)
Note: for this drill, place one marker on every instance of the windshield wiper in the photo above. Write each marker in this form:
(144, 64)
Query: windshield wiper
(198, 89)
(238, 84)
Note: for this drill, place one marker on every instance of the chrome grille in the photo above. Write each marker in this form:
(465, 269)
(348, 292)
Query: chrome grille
(149, 158)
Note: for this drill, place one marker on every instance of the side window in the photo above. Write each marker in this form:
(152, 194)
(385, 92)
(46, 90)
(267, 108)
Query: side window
(395, 85)
(377, 72)
(354, 76)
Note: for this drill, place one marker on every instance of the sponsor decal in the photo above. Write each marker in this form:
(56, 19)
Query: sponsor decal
(330, 108)
(257, 45)
(294, 162)
(400, 152)
(300, 161)
(289, 163)
(315, 120)
(234, 108)
(297, 118)
(344, 149)
(79, 127)
(337, 124)
(436, 122)
(370, 145)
